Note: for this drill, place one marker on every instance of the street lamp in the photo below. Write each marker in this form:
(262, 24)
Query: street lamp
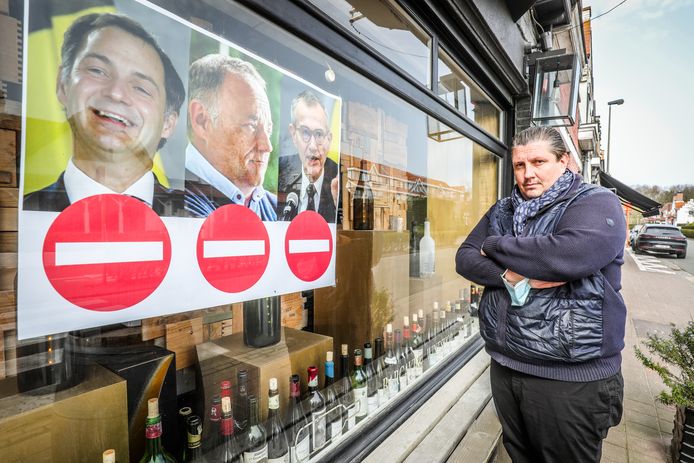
(609, 129)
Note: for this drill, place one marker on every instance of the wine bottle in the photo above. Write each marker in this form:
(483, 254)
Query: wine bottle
(194, 432)
(402, 360)
(444, 340)
(429, 345)
(391, 361)
(427, 253)
(262, 321)
(474, 300)
(212, 440)
(229, 452)
(254, 444)
(381, 378)
(459, 323)
(317, 411)
(241, 403)
(109, 456)
(363, 201)
(299, 431)
(417, 344)
(371, 379)
(407, 349)
(347, 394)
(360, 387)
(435, 349)
(277, 445)
(414, 250)
(154, 451)
(334, 417)
(182, 448)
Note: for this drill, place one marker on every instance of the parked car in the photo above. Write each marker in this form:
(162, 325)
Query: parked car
(661, 238)
(632, 234)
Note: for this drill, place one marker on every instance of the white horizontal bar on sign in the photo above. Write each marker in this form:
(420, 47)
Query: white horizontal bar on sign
(108, 252)
(305, 246)
(233, 248)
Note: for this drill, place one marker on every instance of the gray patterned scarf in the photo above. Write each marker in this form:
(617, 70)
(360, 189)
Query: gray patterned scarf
(524, 209)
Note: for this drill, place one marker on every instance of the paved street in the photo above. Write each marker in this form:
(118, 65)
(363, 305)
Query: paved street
(658, 292)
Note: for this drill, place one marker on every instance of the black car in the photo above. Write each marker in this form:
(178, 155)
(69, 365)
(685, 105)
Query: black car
(661, 238)
(632, 234)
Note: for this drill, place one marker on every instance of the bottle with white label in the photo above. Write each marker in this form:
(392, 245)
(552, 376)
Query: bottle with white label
(254, 444)
(317, 412)
(371, 379)
(347, 397)
(277, 445)
(407, 348)
(427, 252)
(334, 416)
(417, 344)
(391, 361)
(381, 375)
(360, 386)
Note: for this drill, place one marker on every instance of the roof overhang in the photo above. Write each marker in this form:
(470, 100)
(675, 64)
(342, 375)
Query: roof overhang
(629, 196)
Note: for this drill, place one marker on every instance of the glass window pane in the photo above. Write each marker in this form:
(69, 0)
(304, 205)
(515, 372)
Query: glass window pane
(459, 90)
(410, 190)
(387, 28)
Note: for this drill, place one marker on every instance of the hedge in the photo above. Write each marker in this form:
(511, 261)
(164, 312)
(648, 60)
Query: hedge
(689, 233)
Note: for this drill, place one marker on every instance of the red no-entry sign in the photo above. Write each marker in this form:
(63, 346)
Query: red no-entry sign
(106, 252)
(233, 248)
(308, 246)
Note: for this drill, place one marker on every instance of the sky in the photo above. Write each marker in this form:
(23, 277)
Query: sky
(643, 52)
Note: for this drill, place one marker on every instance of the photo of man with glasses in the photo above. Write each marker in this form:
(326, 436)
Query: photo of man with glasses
(308, 178)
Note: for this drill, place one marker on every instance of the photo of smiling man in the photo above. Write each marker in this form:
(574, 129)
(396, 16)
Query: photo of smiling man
(121, 96)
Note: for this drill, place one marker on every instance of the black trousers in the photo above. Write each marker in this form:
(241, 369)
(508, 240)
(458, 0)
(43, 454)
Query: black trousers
(544, 420)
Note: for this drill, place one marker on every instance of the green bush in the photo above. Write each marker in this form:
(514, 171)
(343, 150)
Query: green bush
(676, 351)
(688, 232)
(689, 226)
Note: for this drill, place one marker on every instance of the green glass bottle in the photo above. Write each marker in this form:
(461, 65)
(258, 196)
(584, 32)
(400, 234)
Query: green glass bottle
(360, 386)
(154, 451)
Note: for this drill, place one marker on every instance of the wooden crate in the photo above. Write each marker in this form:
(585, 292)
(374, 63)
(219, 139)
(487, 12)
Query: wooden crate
(8, 158)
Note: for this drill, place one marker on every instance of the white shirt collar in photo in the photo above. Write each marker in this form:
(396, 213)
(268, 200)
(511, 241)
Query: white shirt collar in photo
(303, 199)
(197, 164)
(79, 185)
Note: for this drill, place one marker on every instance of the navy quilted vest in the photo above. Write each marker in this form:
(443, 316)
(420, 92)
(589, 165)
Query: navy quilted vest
(557, 324)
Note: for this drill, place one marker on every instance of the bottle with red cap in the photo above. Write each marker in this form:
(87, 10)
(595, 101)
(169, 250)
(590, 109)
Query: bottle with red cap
(317, 412)
(298, 427)
(154, 451)
(229, 451)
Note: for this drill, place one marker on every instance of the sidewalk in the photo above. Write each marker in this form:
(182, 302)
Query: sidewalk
(654, 300)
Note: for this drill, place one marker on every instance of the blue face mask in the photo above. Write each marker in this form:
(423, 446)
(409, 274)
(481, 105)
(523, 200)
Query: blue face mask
(519, 292)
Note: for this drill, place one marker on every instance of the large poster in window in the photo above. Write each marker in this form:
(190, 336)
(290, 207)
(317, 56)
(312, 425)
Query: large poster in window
(164, 169)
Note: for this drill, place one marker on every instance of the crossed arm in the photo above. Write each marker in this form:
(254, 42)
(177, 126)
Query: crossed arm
(588, 237)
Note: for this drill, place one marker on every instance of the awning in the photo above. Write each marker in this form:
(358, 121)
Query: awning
(629, 196)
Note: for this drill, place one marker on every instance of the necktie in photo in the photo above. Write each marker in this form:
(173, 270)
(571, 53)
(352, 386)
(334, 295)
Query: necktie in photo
(310, 191)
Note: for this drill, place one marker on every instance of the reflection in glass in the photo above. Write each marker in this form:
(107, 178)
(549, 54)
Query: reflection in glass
(387, 28)
(459, 90)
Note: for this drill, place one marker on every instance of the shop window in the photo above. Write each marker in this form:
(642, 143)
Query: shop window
(460, 91)
(184, 312)
(386, 27)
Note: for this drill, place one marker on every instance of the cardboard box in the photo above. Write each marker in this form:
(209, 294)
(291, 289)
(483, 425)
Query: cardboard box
(297, 350)
(75, 424)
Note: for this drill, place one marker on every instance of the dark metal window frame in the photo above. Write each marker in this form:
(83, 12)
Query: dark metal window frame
(309, 23)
